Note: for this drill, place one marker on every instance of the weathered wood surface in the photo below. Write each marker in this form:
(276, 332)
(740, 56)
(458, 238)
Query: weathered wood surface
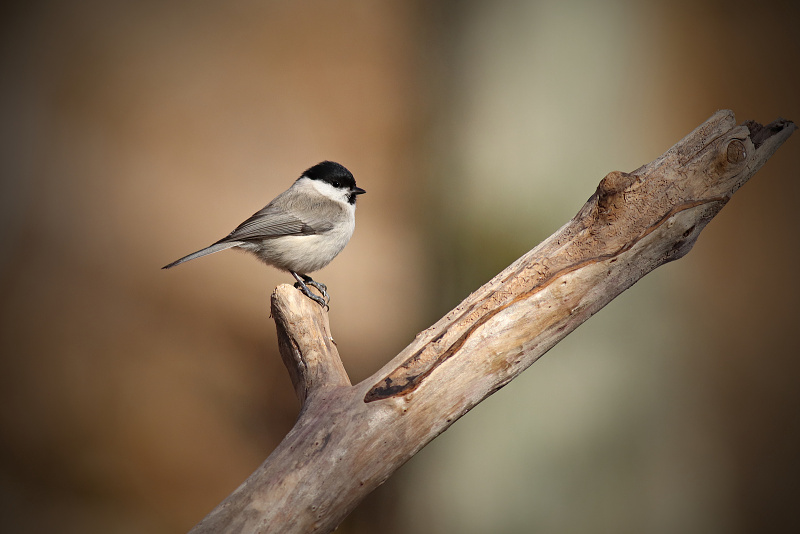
(349, 439)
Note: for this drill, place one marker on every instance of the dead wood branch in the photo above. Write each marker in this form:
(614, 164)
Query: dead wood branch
(349, 439)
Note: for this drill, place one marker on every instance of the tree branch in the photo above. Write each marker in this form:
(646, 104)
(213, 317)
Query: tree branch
(306, 345)
(349, 439)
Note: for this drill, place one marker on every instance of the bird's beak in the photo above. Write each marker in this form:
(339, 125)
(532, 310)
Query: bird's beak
(358, 191)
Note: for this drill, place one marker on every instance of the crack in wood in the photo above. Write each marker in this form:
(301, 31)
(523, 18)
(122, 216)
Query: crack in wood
(410, 374)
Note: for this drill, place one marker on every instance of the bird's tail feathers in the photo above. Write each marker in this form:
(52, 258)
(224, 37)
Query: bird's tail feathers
(216, 247)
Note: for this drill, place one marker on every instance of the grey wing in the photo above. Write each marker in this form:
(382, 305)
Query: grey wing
(273, 221)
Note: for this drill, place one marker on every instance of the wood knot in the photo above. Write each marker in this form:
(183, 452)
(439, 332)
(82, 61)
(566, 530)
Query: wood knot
(610, 189)
(736, 151)
(615, 182)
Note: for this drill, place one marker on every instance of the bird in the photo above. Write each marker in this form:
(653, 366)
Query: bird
(302, 229)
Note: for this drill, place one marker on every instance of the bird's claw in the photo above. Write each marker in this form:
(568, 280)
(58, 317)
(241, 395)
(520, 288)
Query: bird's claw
(302, 285)
(321, 287)
(316, 298)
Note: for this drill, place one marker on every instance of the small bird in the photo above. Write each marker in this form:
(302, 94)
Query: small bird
(302, 229)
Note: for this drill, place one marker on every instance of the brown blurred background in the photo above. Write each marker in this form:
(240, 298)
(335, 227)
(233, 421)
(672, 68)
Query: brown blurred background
(135, 399)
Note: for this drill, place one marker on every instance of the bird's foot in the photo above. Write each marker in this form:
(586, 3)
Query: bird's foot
(316, 298)
(301, 285)
(322, 288)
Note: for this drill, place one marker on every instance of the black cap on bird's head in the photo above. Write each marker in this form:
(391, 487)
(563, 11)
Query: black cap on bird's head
(337, 176)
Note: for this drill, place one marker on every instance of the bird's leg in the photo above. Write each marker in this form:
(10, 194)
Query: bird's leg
(319, 285)
(307, 292)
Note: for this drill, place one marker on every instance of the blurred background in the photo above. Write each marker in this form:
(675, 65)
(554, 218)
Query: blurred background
(134, 400)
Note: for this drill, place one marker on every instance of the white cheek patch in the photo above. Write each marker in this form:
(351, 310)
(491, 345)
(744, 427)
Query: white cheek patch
(324, 188)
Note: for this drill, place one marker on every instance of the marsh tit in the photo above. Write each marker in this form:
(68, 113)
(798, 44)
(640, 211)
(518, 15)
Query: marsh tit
(302, 229)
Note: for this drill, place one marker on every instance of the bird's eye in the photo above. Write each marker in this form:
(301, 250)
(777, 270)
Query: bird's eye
(337, 184)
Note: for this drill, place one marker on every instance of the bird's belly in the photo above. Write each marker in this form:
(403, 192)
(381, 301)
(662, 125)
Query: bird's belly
(303, 253)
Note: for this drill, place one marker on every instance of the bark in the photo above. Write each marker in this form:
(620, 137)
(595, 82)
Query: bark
(349, 439)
